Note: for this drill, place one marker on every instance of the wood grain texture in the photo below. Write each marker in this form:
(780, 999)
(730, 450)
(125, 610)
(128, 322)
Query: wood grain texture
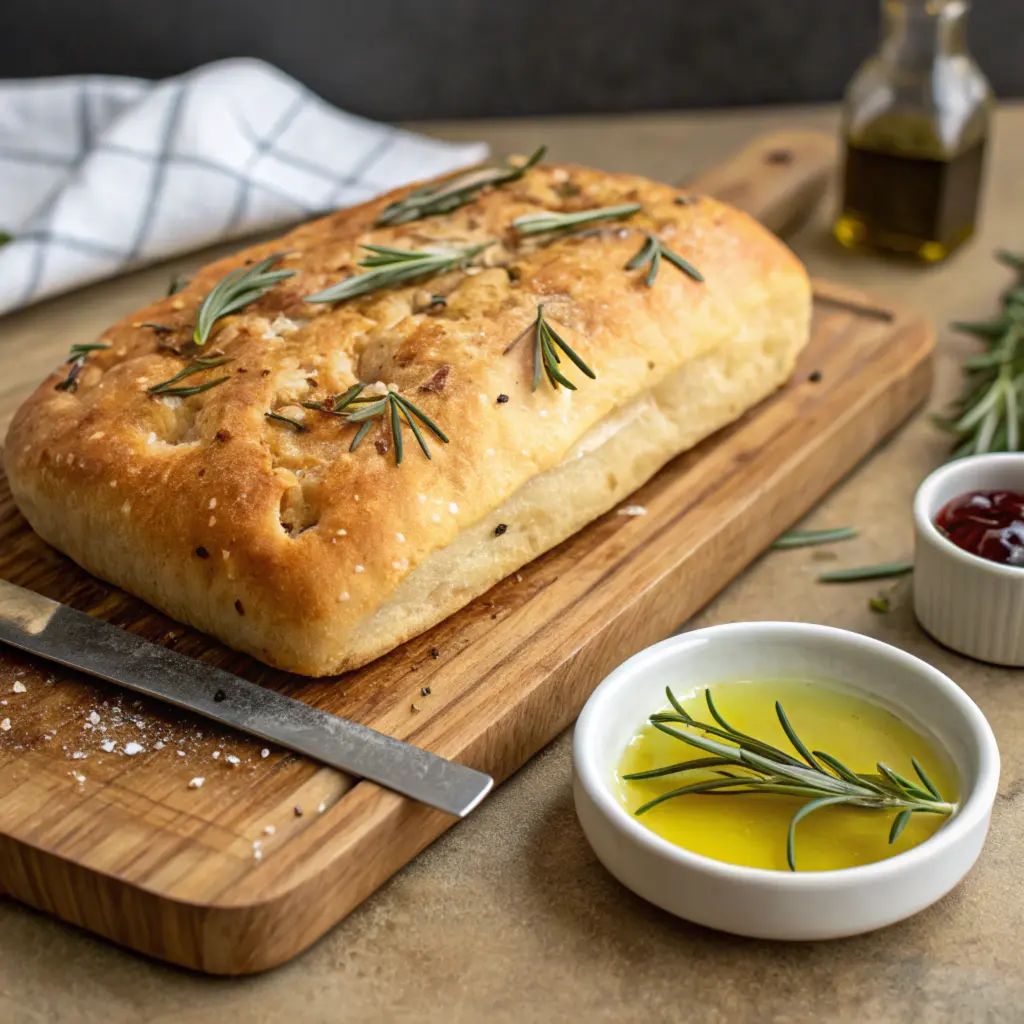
(119, 843)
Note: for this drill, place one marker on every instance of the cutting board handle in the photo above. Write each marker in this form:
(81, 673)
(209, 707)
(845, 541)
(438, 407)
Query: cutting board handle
(779, 178)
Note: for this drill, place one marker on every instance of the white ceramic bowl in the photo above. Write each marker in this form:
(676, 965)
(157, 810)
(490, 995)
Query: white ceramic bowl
(968, 603)
(778, 904)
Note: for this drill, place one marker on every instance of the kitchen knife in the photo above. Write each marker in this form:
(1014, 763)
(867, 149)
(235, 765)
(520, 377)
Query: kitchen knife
(58, 633)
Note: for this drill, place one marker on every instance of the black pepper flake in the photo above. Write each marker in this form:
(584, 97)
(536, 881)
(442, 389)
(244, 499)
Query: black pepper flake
(424, 691)
(815, 376)
(264, 373)
(239, 608)
(219, 697)
(437, 300)
(222, 435)
(201, 552)
(685, 200)
(242, 369)
(502, 399)
(298, 811)
(500, 529)
(383, 445)
(435, 653)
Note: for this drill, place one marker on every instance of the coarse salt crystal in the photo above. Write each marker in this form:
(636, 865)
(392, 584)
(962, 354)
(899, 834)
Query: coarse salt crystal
(159, 745)
(79, 778)
(322, 807)
(5, 725)
(632, 510)
(257, 850)
(180, 753)
(133, 748)
(264, 752)
(232, 760)
(344, 595)
(453, 508)
(108, 746)
(400, 537)
(197, 782)
(269, 830)
(79, 755)
(94, 717)
(341, 533)
(215, 754)
(358, 568)
(18, 687)
(151, 439)
(213, 503)
(213, 520)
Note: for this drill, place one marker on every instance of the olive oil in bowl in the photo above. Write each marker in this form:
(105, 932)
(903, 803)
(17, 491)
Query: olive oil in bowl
(753, 829)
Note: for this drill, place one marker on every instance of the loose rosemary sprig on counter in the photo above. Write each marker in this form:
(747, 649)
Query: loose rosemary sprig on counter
(236, 291)
(78, 356)
(388, 266)
(168, 388)
(820, 778)
(651, 254)
(546, 360)
(550, 220)
(455, 192)
(986, 417)
(811, 538)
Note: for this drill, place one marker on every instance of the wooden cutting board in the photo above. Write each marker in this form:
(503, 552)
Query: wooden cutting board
(246, 871)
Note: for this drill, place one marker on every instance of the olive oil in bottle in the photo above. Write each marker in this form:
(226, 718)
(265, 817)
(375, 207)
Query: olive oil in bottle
(916, 118)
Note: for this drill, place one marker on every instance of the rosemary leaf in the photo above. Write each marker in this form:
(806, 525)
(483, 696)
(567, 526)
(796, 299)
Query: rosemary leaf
(867, 572)
(388, 267)
(300, 427)
(809, 538)
(234, 292)
(177, 283)
(199, 365)
(650, 254)
(455, 192)
(547, 343)
(549, 220)
(5, 237)
(77, 357)
(393, 408)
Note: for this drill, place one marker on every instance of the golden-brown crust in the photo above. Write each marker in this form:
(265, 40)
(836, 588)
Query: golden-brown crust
(285, 544)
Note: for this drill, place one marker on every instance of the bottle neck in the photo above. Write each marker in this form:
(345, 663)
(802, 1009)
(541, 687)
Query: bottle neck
(916, 33)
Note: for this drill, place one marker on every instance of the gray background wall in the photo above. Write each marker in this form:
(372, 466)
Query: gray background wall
(403, 59)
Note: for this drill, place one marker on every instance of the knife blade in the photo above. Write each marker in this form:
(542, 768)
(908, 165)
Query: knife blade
(69, 637)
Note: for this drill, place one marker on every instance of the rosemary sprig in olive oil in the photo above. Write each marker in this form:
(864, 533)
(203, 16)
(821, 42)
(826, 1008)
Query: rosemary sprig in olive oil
(744, 764)
(550, 220)
(455, 192)
(546, 345)
(986, 417)
(650, 255)
(236, 291)
(387, 266)
(200, 365)
(77, 358)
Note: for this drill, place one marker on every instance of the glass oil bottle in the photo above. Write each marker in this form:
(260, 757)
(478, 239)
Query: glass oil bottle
(916, 119)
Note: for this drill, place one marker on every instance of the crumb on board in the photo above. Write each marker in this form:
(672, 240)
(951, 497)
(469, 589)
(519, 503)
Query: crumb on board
(322, 807)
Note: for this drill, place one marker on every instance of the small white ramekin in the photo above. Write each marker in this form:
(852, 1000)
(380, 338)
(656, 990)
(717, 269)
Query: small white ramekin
(780, 904)
(967, 603)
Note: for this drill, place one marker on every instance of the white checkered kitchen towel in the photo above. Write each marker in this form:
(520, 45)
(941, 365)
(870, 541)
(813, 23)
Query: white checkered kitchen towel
(99, 175)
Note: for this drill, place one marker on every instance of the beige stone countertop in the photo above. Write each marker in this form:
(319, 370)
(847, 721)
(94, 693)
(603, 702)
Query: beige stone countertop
(509, 917)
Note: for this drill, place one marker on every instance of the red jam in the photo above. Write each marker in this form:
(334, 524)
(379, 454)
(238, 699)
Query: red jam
(989, 524)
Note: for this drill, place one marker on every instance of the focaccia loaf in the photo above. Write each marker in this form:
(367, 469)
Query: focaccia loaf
(284, 543)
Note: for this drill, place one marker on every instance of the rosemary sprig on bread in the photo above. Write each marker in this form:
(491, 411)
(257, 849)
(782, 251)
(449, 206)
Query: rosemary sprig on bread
(551, 220)
(455, 192)
(651, 254)
(546, 344)
(388, 266)
(77, 358)
(236, 291)
(199, 365)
